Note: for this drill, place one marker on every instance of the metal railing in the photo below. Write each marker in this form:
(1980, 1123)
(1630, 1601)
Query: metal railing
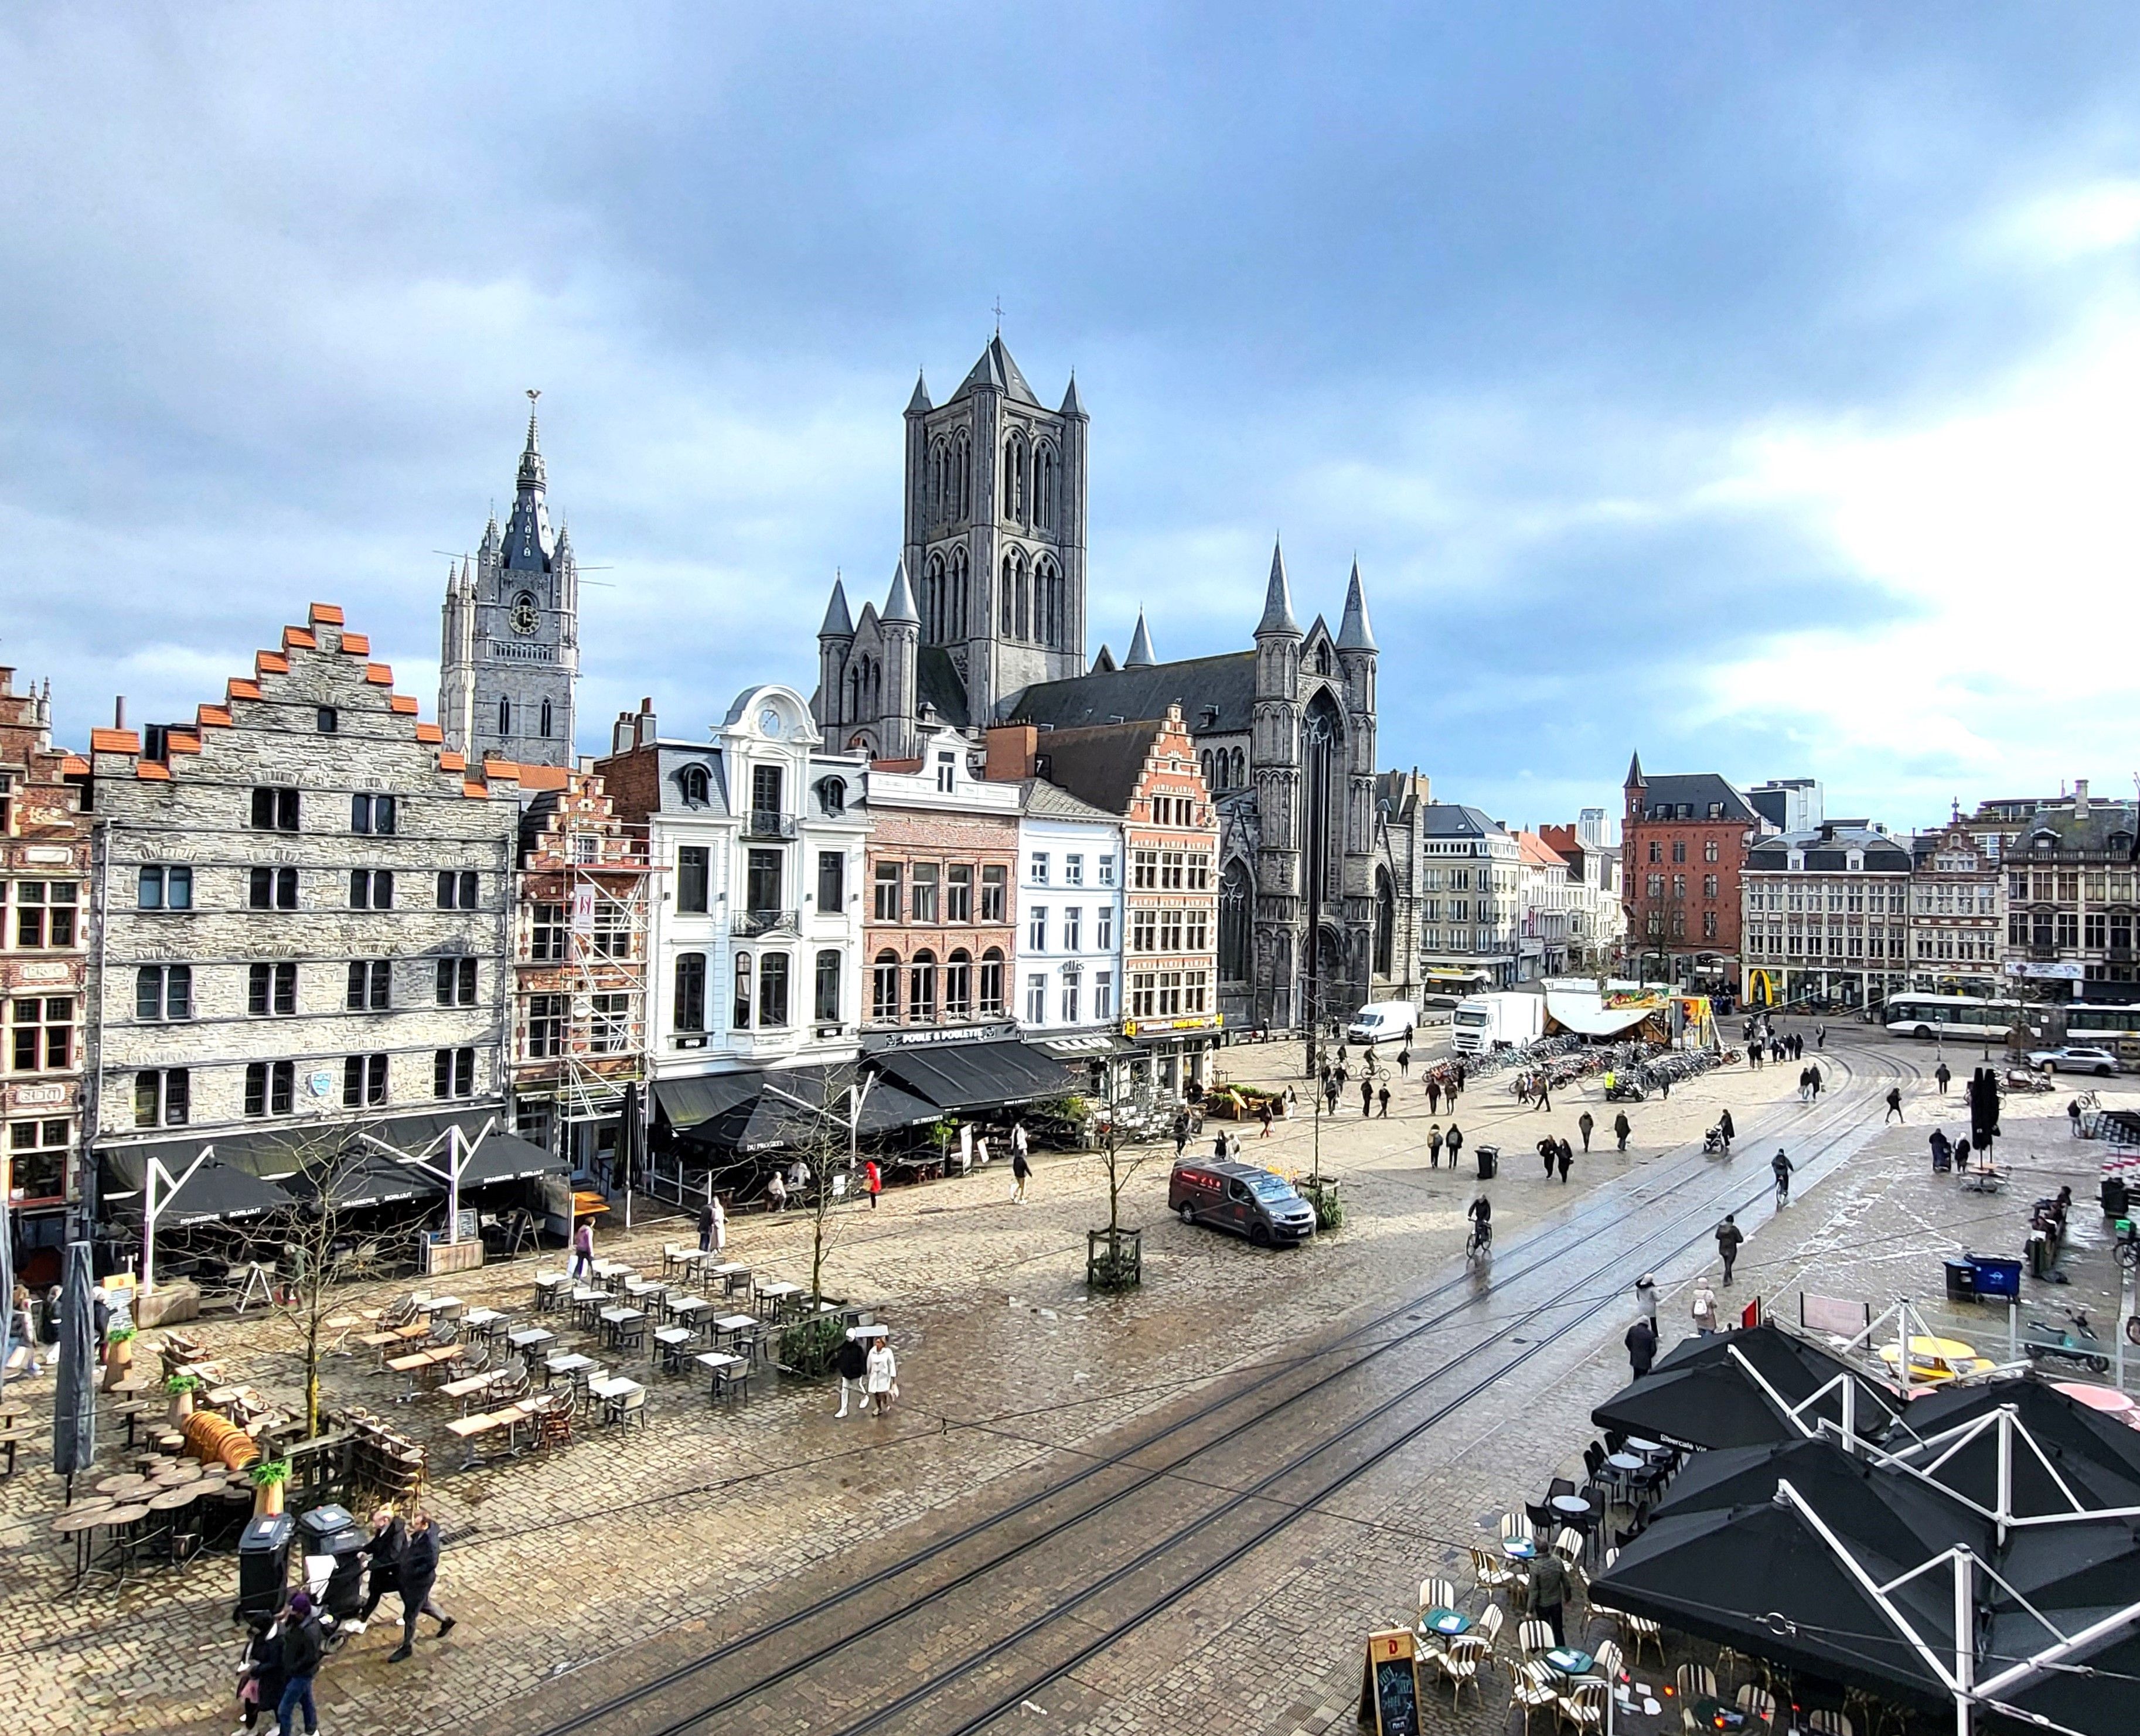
(767, 922)
(767, 823)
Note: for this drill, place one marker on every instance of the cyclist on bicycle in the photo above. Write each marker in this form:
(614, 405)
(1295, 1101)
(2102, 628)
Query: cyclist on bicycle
(1481, 1214)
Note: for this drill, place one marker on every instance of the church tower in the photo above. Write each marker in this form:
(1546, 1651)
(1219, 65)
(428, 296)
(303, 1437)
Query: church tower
(995, 531)
(509, 655)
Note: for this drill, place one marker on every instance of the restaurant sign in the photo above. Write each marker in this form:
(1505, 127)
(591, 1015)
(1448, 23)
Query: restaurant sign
(877, 1042)
(1162, 1026)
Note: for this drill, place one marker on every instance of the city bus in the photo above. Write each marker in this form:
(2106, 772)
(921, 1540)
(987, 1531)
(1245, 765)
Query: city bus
(1951, 1015)
(2102, 1026)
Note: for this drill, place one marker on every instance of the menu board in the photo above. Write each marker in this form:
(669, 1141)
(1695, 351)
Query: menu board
(1389, 1687)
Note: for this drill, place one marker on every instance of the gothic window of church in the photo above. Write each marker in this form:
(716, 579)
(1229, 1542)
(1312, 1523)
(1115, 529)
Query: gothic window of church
(1320, 734)
(1014, 479)
(962, 474)
(1206, 758)
(1322, 659)
(1022, 616)
(939, 480)
(505, 717)
(546, 720)
(1240, 770)
(1234, 904)
(933, 599)
(1386, 924)
(959, 589)
(1044, 485)
(1005, 611)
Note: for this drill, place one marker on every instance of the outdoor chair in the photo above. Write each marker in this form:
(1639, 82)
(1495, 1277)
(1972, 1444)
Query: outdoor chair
(626, 1408)
(1558, 1486)
(1436, 1594)
(1605, 1661)
(1488, 1574)
(1758, 1704)
(1828, 1724)
(1593, 1459)
(1542, 1518)
(1583, 1706)
(1534, 1640)
(1468, 1654)
(672, 1259)
(1567, 1545)
(1536, 1689)
(1696, 1681)
(1641, 1631)
(1514, 1526)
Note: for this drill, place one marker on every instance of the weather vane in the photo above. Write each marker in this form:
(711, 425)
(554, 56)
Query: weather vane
(534, 393)
(998, 316)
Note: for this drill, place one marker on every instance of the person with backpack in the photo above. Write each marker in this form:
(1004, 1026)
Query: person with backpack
(1894, 1105)
(1455, 1144)
(1783, 1166)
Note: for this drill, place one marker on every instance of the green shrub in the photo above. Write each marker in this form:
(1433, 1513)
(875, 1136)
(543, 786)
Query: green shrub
(813, 1346)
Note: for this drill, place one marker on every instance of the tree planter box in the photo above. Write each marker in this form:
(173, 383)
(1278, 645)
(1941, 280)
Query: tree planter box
(1322, 1195)
(1114, 1258)
(443, 1257)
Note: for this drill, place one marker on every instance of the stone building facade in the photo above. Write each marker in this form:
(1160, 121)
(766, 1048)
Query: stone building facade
(1826, 918)
(509, 652)
(985, 623)
(1957, 914)
(44, 962)
(340, 956)
(2070, 863)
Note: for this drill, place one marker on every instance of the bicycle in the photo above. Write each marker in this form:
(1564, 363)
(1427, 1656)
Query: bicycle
(1479, 1249)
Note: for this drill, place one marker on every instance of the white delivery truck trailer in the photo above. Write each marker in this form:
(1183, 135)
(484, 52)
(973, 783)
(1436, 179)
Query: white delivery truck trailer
(1489, 1021)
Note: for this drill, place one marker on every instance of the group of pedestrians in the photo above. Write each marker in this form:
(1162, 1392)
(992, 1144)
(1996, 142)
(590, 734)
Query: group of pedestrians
(1437, 1142)
(1809, 1082)
(283, 1652)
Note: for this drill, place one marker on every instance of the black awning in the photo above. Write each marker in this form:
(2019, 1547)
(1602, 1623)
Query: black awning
(977, 1076)
(503, 1156)
(213, 1192)
(776, 1119)
(688, 1105)
(366, 1176)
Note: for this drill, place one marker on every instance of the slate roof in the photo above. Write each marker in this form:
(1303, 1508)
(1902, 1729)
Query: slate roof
(2088, 834)
(1666, 793)
(996, 371)
(1454, 819)
(1827, 851)
(936, 682)
(1051, 801)
(1100, 766)
(1227, 681)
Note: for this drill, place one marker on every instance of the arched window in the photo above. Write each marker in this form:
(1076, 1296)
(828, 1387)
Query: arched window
(876, 688)
(690, 992)
(884, 987)
(1323, 739)
(921, 988)
(1023, 618)
(1008, 618)
(958, 985)
(1044, 485)
(694, 784)
(1322, 659)
(939, 477)
(855, 691)
(1235, 902)
(1047, 603)
(933, 600)
(1206, 756)
(992, 982)
(741, 1022)
(505, 717)
(1385, 924)
(546, 720)
(1015, 478)
(1240, 780)
(962, 474)
(959, 629)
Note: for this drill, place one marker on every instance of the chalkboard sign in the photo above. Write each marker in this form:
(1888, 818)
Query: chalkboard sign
(1389, 1687)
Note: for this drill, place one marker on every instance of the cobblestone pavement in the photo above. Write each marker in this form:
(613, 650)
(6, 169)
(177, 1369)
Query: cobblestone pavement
(578, 1576)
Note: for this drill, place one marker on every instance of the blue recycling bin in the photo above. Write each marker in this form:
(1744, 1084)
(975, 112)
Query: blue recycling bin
(1996, 1277)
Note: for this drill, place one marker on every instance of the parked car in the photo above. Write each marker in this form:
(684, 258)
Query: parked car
(1240, 1197)
(2073, 1058)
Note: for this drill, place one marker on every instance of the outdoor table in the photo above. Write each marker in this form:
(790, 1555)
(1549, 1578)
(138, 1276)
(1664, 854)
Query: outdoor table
(615, 1321)
(123, 1485)
(635, 1288)
(1638, 1444)
(780, 1294)
(168, 1509)
(730, 1374)
(485, 1322)
(1448, 1623)
(733, 1274)
(81, 1523)
(732, 1329)
(573, 1366)
(446, 1307)
(587, 1303)
(530, 1340)
(684, 1309)
(1567, 1660)
(612, 1393)
(670, 1345)
(121, 1522)
(1713, 1714)
(551, 1288)
(1519, 1549)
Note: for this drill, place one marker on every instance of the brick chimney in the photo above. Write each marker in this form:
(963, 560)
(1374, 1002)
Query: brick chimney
(1010, 753)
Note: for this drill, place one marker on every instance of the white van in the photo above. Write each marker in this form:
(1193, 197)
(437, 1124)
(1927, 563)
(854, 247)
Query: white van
(1383, 1022)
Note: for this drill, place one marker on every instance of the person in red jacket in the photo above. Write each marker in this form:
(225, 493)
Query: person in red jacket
(873, 1180)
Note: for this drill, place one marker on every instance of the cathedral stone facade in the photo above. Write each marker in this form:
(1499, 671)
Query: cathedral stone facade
(985, 622)
(510, 648)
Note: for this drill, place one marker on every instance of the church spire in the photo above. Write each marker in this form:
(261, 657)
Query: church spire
(1278, 599)
(528, 543)
(838, 623)
(899, 606)
(1353, 632)
(1141, 652)
(919, 404)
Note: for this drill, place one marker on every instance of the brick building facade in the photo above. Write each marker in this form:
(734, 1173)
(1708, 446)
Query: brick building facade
(44, 961)
(1684, 843)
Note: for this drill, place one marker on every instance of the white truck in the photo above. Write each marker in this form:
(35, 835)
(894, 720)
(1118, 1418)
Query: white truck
(1489, 1021)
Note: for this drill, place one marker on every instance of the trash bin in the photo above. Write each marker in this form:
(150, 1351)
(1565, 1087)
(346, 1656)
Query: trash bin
(331, 1534)
(1996, 1277)
(263, 1563)
(2117, 1196)
(1489, 1161)
(1960, 1280)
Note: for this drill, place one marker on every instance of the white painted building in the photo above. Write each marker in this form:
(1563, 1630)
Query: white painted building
(1069, 965)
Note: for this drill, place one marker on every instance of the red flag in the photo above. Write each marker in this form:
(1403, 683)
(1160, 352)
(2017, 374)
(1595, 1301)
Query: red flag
(1750, 1315)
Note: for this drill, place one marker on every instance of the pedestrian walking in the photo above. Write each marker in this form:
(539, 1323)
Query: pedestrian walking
(776, 1193)
(1621, 1129)
(1783, 1166)
(1264, 1114)
(1549, 1153)
(418, 1570)
(1548, 1592)
(1434, 1096)
(853, 1367)
(1564, 1155)
(1942, 1075)
(1180, 1133)
(1021, 1173)
(1234, 1147)
(873, 1180)
(303, 1646)
(583, 1248)
(1820, 1037)
(720, 1225)
(881, 1374)
(260, 1677)
(1292, 1103)
(1545, 1093)
(2072, 1117)
(1814, 1078)
(1704, 1308)
(22, 1334)
(1366, 1098)
(1341, 1055)
(1805, 1084)
(1218, 1144)
(1455, 1142)
(706, 1226)
(1330, 1095)
(1894, 1105)
(1645, 1297)
(1404, 1062)
(1434, 1147)
(1729, 1236)
(1961, 1156)
(1381, 1104)
(1942, 1151)
(1724, 1126)
(383, 1574)
(1641, 1343)
(1584, 1124)
(1666, 1088)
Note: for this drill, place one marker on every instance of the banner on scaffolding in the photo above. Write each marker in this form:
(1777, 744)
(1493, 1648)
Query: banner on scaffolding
(583, 908)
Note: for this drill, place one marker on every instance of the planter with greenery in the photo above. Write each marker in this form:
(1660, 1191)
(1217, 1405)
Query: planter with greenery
(1322, 1195)
(267, 1477)
(118, 1355)
(182, 1388)
(812, 1347)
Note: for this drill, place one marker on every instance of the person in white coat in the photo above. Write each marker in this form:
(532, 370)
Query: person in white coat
(1645, 1297)
(880, 1375)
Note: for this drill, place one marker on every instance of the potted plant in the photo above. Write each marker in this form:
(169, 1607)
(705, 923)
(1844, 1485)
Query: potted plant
(118, 1355)
(182, 1388)
(268, 1476)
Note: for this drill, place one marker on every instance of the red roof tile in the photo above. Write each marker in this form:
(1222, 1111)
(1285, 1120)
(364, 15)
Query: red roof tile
(176, 742)
(403, 704)
(270, 663)
(298, 639)
(379, 674)
(475, 792)
(212, 716)
(237, 688)
(328, 613)
(114, 741)
(429, 733)
(357, 644)
(74, 765)
(150, 769)
(451, 762)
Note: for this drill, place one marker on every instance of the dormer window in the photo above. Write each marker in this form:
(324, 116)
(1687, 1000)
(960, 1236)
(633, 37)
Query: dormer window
(947, 773)
(832, 796)
(696, 786)
(1797, 864)
(2121, 843)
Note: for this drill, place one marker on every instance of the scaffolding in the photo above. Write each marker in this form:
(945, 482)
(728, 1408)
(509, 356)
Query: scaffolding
(580, 969)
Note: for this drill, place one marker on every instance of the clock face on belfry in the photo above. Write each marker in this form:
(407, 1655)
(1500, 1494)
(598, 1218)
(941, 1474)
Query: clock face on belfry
(524, 614)
(768, 722)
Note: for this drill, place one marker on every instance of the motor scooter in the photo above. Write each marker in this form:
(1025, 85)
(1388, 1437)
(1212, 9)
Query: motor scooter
(2076, 1343)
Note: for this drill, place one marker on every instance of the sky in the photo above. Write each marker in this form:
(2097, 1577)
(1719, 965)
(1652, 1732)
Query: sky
(1758, 387)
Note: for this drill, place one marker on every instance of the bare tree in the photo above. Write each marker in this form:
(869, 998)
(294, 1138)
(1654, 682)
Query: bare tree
(1107, 1265)
(825, 1135)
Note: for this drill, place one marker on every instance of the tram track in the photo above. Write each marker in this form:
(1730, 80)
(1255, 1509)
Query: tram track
(1557, 1239)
